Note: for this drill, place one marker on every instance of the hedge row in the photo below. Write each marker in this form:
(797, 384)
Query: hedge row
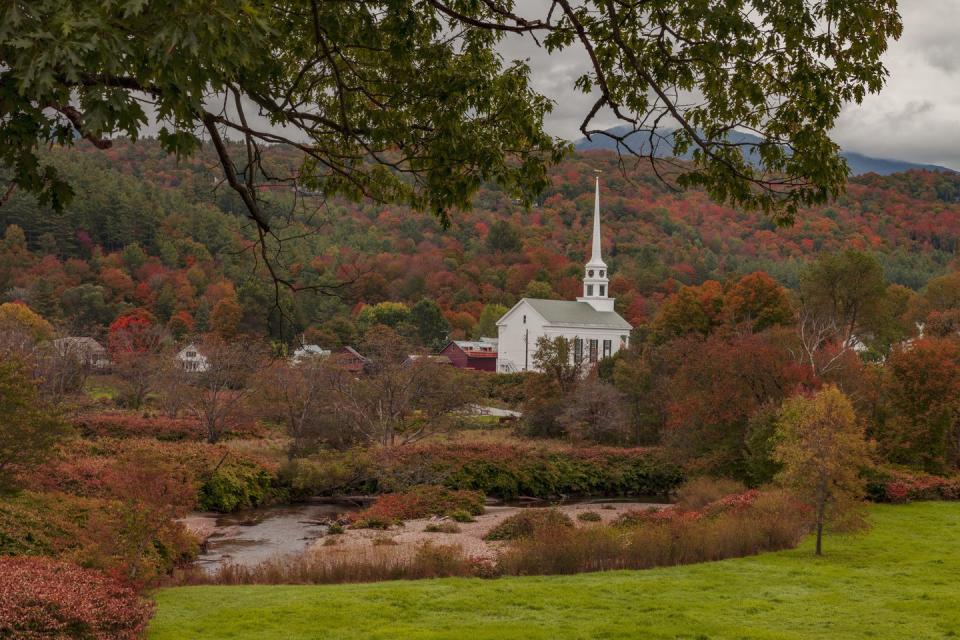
(497, 470)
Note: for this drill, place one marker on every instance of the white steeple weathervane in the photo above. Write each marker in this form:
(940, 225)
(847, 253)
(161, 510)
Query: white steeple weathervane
(595, 280)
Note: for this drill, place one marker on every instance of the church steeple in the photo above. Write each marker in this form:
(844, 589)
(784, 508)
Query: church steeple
(596, 283)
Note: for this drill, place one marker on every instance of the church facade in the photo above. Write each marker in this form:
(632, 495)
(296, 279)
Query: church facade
(589, 322)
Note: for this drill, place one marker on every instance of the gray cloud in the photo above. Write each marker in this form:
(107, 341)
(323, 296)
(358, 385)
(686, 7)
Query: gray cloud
(916, 117)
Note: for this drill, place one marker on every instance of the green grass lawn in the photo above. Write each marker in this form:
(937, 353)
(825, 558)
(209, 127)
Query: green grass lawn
(901, 580)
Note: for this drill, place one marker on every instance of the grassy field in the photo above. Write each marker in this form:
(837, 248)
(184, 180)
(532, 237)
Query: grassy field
(900, 581)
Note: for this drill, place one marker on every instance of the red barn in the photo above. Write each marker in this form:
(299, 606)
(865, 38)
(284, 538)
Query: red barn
(477, 354)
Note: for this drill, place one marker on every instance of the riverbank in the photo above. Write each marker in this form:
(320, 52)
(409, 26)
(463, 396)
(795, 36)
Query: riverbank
(467, 535)
(250, 537)
(896, 581)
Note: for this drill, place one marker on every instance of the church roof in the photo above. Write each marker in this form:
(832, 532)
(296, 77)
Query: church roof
(577, 314)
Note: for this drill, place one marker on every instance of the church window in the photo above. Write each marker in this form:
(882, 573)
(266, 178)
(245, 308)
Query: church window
(607, 348)
(601, 274)
(589, 290)
(590, 273)
(524, 319)
(603, 290)
(594, 345)
(578, 350)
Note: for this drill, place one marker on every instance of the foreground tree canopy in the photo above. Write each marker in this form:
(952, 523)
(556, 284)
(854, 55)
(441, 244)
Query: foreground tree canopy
(409, 101)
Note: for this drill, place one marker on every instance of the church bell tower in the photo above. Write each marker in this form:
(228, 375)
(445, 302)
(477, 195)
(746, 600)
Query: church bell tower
(596, 281)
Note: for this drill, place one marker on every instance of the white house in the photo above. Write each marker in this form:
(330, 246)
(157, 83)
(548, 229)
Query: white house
(307, 351)
(597, 331)
(192, 360)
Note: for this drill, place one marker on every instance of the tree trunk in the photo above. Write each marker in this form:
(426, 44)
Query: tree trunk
(821, 508)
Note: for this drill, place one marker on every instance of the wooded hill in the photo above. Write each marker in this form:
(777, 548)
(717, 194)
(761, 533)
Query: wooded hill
(146, 230)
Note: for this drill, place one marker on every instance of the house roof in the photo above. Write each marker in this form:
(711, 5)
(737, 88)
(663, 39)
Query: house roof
(474, 344)
(577, 314)
(81, 343)
(353, 352)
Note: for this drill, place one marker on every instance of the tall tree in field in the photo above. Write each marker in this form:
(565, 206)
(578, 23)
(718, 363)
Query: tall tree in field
(409, 101)
(822, 449)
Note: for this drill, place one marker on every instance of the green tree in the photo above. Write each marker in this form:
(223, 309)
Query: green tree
(410, 101)
(822, 449)
(29, 429)
(503, 237)
(487, 324)
(432, 328)
(390, 314)
(539, 289)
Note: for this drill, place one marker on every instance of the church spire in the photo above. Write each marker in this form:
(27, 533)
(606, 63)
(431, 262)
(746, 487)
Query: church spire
(595, 258)
(596, 282)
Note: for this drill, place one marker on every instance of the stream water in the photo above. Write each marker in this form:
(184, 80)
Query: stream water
(250, 537)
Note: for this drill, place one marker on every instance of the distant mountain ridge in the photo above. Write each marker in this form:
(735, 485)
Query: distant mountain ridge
(859, 164)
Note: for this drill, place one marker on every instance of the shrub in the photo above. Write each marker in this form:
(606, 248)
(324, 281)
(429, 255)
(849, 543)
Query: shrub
(589, 516)
(526, 523)
(334, 529)
(461, 515)
(40, 597)
(699, 492)
(419, 502)
(383, 540)
(442, 527)
(236, 484)
(95, 532)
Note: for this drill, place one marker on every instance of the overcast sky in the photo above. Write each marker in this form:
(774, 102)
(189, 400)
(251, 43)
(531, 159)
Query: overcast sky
(916, 117)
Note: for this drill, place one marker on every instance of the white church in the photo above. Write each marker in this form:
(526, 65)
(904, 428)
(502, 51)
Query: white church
(597, 331)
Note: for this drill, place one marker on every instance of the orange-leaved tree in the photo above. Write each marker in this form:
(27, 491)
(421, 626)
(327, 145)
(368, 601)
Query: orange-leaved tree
(822, 449)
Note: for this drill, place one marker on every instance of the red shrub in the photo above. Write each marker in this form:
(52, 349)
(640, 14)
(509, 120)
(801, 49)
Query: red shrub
(419, 502)
(125, 425)
(904, 487)
(131, 425)
(43, 598)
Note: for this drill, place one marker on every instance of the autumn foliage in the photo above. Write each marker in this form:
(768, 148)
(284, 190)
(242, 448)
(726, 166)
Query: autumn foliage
(44, 598)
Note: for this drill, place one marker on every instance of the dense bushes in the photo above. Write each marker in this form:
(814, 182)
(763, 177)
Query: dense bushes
(134, 538)
(901, 486)
(504, 471)
(419, 502)
(739, 526)
(43, 598)
(239, 484)
(134, 425)
(225, 479)
(43, 524)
